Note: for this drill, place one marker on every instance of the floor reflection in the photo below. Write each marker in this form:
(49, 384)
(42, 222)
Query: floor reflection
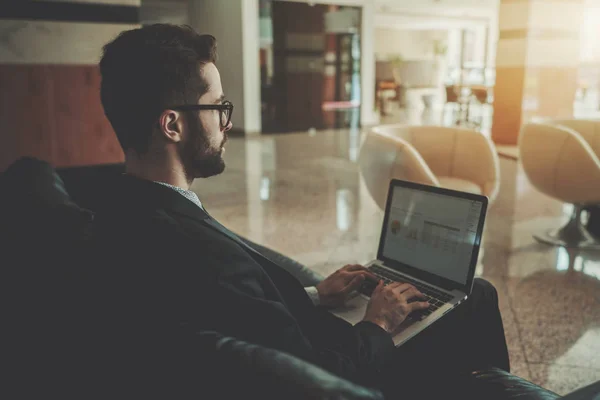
(303, 195)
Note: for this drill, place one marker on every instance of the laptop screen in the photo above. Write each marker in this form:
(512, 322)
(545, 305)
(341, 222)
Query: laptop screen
(432, 232)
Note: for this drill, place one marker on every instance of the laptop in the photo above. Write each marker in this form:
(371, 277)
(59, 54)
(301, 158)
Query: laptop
(430, 238)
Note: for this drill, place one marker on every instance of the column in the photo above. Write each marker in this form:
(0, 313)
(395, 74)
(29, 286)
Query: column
(235, 25)
(536, 63)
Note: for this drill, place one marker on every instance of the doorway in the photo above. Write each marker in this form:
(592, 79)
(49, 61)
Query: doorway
(310, 66)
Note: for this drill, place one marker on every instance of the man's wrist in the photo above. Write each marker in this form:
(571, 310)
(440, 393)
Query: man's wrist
(379, 322)
(313, 293)
(322, 299)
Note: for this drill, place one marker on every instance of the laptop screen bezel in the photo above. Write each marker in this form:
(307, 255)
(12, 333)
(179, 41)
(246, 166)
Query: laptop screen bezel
(431, 278)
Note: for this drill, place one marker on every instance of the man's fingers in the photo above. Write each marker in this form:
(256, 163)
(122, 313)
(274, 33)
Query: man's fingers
(401, 287)
(354, 284)
(366, 274)
(413, 293)
(418, 305)
(378, 288)
(354, 267)
(391, 285)
(358, 268)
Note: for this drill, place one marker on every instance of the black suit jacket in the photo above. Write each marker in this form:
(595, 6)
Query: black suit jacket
(166, 271)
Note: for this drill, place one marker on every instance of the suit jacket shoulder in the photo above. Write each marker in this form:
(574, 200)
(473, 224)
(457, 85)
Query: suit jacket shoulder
(189, 276)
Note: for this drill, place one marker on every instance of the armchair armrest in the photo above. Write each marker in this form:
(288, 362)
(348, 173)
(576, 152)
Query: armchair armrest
(305, 275)
(241, 369)
(494, 383)
(590, 392)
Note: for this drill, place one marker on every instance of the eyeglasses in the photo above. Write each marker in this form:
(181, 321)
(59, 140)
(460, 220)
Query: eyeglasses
(225, 110)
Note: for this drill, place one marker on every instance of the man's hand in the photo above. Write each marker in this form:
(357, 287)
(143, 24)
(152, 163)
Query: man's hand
(335, 289)
(390, 304)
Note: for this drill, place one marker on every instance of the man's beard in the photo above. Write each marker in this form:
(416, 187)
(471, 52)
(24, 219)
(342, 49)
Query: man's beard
(200, 160)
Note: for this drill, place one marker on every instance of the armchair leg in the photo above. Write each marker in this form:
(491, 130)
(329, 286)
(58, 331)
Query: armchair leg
(572, 235)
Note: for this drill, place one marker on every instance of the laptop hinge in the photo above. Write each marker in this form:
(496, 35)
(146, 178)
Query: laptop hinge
(382, 264)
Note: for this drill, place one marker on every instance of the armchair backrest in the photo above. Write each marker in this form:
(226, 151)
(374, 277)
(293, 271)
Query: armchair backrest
(560, 163)
(588, 129)
(384, 157)
(453, 152)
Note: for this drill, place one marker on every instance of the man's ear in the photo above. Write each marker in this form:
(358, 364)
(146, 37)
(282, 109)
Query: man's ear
(170, 124)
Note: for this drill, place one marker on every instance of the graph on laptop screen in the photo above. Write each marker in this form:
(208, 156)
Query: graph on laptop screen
(432, 232)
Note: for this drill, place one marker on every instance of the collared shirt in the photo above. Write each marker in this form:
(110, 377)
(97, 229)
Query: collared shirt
(188, 194)
(311, 291)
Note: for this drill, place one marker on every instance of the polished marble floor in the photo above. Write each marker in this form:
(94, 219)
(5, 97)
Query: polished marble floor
(302, 195)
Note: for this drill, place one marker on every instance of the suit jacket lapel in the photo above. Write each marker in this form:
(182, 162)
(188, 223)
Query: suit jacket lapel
(217, 226)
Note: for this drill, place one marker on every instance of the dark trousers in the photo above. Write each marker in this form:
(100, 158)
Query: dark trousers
(437, 363)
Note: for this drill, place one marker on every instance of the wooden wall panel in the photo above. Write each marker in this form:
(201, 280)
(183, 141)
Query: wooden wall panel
(26, 118)
(85, 137)
(53, 112)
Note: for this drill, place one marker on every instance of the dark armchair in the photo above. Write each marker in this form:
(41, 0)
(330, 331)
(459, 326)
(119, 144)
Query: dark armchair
(50, 349)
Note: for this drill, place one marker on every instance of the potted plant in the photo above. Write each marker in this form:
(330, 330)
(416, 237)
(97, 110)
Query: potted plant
(397, 60)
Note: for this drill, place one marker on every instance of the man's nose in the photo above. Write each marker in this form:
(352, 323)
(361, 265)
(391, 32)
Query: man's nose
(228, 127)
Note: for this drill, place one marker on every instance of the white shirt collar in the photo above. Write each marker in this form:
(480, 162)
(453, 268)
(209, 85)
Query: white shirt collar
(188, 194)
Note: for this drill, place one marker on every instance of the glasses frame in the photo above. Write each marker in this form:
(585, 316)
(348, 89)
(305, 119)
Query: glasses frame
(226, 106)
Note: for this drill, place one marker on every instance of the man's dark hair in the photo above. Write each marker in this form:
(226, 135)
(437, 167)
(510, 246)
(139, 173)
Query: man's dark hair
(148, 69)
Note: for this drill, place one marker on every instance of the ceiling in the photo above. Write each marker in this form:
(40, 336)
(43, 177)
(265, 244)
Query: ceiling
(444, 7)
(435, 14)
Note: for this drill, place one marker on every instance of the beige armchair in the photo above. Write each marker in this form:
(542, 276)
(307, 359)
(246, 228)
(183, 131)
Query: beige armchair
(561, 163)
(454, 158)
(589, 129)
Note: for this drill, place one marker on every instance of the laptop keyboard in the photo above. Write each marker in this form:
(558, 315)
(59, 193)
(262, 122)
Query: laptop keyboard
(436, 298)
